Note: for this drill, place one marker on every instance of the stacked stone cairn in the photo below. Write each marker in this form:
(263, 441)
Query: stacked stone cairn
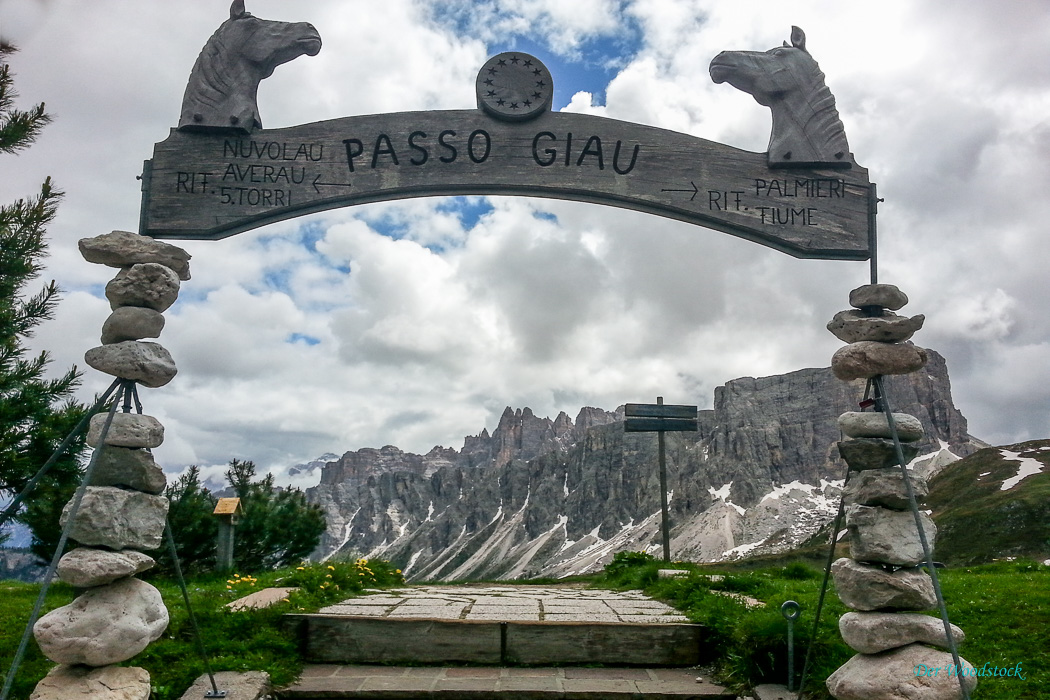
(122, 513)
(883, 581)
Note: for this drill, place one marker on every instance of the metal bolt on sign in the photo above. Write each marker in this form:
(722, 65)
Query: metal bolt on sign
(791, 612)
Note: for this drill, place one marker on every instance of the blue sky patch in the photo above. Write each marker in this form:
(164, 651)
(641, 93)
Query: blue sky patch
(302, 338)
(469, 210)
(589, 67)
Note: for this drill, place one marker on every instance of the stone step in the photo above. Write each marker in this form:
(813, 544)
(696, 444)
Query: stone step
(496, 683)
(341, 639)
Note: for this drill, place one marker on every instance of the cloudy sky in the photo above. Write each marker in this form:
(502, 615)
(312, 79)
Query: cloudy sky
(415, 323)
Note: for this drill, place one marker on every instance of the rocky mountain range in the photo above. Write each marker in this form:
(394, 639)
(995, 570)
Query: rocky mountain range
(542, 497)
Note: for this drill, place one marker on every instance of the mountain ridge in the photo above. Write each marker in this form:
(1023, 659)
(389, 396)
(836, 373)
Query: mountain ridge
(542, 497)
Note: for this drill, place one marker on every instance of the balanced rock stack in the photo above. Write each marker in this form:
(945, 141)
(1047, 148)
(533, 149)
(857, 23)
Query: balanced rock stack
(883, 582)
(122, 511)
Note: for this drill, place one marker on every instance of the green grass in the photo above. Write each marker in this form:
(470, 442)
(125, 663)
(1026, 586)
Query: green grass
(1004, 608)
(967, 498)
(16, 604)
(235, 641)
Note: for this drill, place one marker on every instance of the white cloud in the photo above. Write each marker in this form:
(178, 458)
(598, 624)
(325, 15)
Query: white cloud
(416, 322)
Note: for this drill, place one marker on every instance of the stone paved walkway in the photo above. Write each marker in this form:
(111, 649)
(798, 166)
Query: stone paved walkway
(508, 603)
(482, 683)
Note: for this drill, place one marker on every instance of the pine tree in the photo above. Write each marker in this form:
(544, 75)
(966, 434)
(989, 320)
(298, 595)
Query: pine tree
(278, 528)
(193, 527)
(36, 413)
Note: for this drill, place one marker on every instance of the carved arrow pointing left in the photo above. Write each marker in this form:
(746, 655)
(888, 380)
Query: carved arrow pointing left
(318, 184)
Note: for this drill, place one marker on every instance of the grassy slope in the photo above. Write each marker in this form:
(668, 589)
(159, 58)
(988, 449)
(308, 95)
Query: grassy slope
(978, 522)
(1004, 608)
(236, 641)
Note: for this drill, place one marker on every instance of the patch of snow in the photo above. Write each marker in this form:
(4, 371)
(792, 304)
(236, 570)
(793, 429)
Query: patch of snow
(742, 549)
(980, 475)
(430, 513)
(528, 495)
(499, 514)
(565, 486)
(722, 493)
(346, 535)
(931, 464)
(1029, 467)
(411, 562)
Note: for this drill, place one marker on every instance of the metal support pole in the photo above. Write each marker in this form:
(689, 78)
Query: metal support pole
(791, 612)
(873, 232)
(214, 692)
(835, 527)
(665, 525)
(926, 550)
(74, 506)
(12, 507)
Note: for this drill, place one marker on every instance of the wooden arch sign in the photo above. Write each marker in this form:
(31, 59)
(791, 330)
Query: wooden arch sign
(211, 179)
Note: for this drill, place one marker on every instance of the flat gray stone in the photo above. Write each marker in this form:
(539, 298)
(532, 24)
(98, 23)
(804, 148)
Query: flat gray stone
(103, 625)
(887, 536)
(893, 674)
(867, 359)
(874, 453)
(128, 467)
(770, 691)
(85, 567)
(132, 323)
(884, 487)
(86, 683)
(124, 248)
(126, 430)
(150, 285)
(864, 424)
(869, 587)
(245, 685)
(854, 326)
(873, 632)
(888, 296)
(118, 519)
(149, 364)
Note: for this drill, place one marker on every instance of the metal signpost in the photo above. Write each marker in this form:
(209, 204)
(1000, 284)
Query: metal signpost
(660, 418)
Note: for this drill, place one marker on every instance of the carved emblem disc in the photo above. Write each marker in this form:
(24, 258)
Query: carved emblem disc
(514, 86)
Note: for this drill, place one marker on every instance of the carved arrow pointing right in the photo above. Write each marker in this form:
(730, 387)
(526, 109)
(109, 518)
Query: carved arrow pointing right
(695, 191)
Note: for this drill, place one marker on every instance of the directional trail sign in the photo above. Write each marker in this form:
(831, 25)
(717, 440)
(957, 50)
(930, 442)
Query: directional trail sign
(648, 418)
(660, 418)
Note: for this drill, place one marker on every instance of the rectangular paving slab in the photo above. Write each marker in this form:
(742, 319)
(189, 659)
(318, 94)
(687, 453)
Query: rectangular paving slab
(527, 625)
(566, 643)
(501, 683)
(343, 639)
(330, 638)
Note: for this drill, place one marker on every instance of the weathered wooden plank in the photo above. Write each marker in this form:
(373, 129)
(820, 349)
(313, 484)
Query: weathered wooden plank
(659, 410)
(649, 425)
(342, 639)
(211, 185)
(602, 643)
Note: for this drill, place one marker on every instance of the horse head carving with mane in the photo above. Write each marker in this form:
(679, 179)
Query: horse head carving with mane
(224, 82)
(807, 131)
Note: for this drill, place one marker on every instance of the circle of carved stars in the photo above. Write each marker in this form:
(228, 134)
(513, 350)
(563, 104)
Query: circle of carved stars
(514, 86)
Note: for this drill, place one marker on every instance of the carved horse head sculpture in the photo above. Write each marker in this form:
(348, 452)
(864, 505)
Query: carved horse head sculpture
(221, 93)
(807, 131)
